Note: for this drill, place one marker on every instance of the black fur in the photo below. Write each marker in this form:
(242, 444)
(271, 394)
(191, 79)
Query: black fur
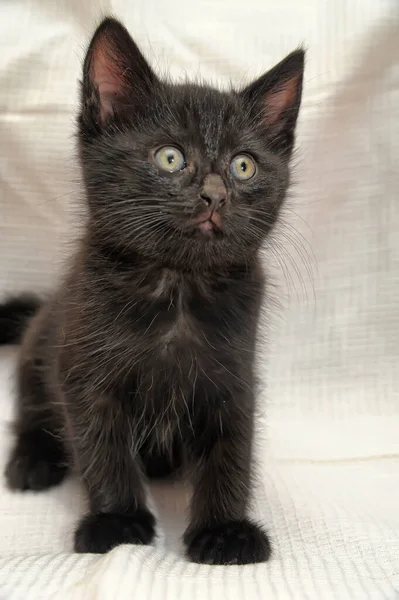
(14, 316)
(143, 359)
(100, 532)
(236, 543)
(38, 461)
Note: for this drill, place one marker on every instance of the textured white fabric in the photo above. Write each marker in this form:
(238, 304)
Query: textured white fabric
(328, 451)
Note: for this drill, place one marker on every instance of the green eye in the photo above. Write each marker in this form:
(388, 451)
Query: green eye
(169, 159)
(242, 167)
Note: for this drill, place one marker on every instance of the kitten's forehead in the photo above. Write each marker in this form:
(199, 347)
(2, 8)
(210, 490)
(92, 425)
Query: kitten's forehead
(209, 116)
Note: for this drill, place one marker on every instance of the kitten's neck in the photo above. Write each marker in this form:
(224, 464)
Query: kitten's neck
(127, 260)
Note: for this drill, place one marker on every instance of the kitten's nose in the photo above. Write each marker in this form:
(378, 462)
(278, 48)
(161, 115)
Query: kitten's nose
(214, 191)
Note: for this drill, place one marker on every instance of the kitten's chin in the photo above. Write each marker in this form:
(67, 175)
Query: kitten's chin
(208, 231)
(206, 227)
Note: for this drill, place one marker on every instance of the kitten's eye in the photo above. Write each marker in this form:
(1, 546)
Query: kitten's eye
(242, 167)
(169, 159)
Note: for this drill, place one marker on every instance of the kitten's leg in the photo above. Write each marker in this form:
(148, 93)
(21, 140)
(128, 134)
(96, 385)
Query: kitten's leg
(219, 531)
(38, 459)
(110, 468)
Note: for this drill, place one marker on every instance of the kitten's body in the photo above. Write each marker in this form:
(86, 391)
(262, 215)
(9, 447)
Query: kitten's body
(143, 359)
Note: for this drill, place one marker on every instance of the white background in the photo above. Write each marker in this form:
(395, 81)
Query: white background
(328, 488)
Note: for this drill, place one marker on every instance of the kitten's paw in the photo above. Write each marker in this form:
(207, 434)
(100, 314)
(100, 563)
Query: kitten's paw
(36, 463)
(101, 532)
(234, 543)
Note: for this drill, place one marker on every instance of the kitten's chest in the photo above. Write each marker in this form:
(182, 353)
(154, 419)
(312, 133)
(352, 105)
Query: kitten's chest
(179, 336)
(185, 319)
(179, 331)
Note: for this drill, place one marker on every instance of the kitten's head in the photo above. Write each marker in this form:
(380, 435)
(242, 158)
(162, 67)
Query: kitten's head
(183, 174)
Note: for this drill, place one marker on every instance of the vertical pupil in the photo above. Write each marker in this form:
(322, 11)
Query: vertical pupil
(170, 158)
(243, 166)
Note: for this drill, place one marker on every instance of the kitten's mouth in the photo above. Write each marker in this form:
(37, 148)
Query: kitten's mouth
(210, 224)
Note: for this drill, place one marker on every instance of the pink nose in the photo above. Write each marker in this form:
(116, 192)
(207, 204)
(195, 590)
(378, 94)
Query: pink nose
(214, 192)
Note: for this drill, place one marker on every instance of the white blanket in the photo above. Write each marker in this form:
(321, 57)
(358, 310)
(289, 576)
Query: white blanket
(328, 451)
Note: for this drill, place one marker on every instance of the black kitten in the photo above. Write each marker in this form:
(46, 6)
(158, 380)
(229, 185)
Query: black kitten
(143, 359)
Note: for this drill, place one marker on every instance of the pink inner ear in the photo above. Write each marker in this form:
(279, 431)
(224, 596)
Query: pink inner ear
(106, 77)
(280, 99)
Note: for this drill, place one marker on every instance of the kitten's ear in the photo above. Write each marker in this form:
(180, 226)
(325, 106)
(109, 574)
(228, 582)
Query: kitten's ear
(116, 76)
(275, 98)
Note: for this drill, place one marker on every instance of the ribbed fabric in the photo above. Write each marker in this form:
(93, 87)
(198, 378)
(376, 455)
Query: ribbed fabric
(328, 427)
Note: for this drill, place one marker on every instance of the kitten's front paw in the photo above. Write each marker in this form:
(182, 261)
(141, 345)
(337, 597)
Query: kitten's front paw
(36, 463)
(234, 543)
(101, 532)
